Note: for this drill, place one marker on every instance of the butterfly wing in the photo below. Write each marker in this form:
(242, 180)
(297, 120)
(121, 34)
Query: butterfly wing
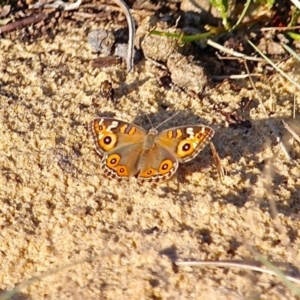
(128, 151)
(185, 142)
(120, 145)
(157, 164)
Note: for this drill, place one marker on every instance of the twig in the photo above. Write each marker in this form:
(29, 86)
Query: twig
(131, 28)
(103, 62)
(24, 22)
(218, 163)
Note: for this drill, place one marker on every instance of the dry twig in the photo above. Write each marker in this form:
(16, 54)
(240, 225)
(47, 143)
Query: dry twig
(24, 22)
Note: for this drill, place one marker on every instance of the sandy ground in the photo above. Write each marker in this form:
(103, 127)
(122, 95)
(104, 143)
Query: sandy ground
(58, 208)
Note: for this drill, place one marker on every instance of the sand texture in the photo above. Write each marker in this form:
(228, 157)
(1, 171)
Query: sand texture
(57, 207)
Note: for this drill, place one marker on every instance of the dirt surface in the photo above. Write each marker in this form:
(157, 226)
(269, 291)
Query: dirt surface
(58, 208)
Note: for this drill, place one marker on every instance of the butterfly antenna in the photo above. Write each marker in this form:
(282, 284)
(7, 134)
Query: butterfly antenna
(167, 120)
(150, 121)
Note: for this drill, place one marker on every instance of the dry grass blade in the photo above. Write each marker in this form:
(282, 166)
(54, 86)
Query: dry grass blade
(58, 4)
(291, 131)
(131, 28)
(276, 67)
(284, 28)
(242, 16)
(237, 264)
(10, 294)
(232, 52)
(71, 6)
(296, 3)
(286, 280)
(267, 116)
(291, 51)
(239, 76)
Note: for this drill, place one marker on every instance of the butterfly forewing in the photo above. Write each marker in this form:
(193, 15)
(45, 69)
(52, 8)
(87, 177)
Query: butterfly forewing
(119, 144)
(185, 142)
(112, 134)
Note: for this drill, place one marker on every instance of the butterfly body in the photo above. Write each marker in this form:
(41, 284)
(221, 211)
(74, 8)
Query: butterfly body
(127, 150)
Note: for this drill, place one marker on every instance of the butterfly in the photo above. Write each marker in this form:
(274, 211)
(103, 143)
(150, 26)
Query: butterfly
(128, 150)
